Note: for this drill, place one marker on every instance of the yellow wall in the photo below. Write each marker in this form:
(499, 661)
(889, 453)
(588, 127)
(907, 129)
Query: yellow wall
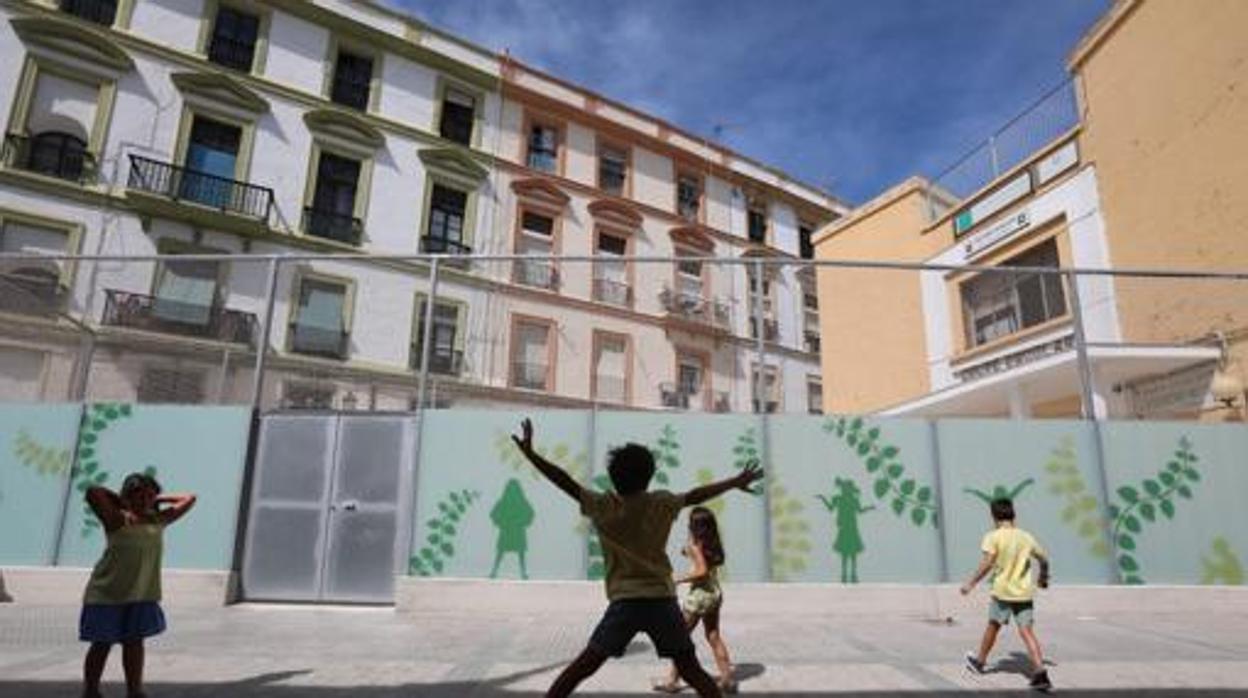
(871, 321)
(1166, 90)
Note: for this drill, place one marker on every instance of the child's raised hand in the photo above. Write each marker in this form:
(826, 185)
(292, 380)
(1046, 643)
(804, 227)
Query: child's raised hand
(748, 475)
(525, 441)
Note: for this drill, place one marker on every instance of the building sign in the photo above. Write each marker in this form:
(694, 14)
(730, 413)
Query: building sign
(1004, 195)
(1013, 360)
(1057, 162)
(1001, 231)
(1177, 393)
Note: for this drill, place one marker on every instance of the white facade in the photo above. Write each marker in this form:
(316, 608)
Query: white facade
(155, 75)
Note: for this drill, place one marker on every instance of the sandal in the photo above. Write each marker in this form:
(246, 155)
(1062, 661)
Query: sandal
(665, 686)
(728, 686)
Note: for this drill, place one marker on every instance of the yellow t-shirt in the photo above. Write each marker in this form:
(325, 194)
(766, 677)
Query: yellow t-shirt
(1011, 574)
(634, 531)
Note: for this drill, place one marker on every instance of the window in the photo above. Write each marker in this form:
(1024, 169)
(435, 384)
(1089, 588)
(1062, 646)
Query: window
(689, 279)
(320, 327)
(353, 77)
(234, 37)
(757, 222)
(99, 11)
(186, 292)
(332, 214)
(691, 385)
(814, 395)
(445, 356)
(770, 390)
(182, 386)
(307, 396)
(543, 148)
(769, 306)
(211, 161)
(530, 356)
(810, 317)
(611, 368)
(458, 112)
(688, 196)
(611, 275)
(60, 121)
(612, 169)
(447, 208)
(537, 237)
(806, 249)
(32, 286)
(997, 305)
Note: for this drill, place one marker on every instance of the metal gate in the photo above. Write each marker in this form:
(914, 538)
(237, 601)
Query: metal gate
(330, 499)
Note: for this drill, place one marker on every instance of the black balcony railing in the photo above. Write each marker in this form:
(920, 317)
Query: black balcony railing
(231, 52)
(441, 362)
(181, 184)
(99, 11)
(30, 290)
(678, 397)
(439, 245)
(695, 308)
(722, 402)
(812, 342)
(54, 154)
(538, 273)
(332, 226)
(319, 341)
(528, 375)
(156, 314)
(613, 292)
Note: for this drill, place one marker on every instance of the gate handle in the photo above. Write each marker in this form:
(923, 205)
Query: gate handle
(350, 505)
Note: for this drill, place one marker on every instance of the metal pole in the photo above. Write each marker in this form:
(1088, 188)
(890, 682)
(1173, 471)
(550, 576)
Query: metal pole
(942, 525)
(1088, 394)
(57, 540)
(426, 342)
(222, 378)
(266, 327)
(409, 534)
(760, 346)
(82, 376)
(760, 407)
(992, 152)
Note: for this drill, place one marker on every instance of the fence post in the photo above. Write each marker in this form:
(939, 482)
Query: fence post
(266, 327)
(938, 484)
(760, 407)
(82, 374)
(426, 339)
(992, 153)
(1087, 393)
(413, 491)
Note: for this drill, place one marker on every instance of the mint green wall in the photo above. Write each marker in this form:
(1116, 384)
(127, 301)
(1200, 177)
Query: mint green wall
(195, 449)
(36, 446)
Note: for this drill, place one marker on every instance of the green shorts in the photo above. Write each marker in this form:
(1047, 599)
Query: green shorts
(999, 612)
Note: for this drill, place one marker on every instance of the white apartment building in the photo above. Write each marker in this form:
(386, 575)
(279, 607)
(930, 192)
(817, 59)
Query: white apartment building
(294, 126)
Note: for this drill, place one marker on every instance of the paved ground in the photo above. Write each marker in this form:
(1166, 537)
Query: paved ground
(318, 652)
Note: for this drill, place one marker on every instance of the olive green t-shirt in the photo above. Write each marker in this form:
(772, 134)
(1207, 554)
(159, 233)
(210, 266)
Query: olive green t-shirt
(634, 532)
(129, 570)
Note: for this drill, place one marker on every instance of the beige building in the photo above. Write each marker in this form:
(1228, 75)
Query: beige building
(1142, 171)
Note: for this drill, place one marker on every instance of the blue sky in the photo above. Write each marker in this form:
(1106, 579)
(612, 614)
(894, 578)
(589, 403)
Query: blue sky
(852, 96)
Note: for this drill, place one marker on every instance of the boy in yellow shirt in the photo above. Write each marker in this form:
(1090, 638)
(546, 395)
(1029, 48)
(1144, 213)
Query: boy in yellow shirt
(1008, 552)
(633, 525)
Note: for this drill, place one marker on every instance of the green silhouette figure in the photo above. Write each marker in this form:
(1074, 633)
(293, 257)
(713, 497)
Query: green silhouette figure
(1001, 491)
(846, 504)
(512, 515)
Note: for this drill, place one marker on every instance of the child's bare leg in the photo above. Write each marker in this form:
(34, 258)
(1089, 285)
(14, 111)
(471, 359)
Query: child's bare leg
(581, 668)
(692, 672)
(719, 649)
(990, 639)
(132, 664)
(1033, 646)
(93, 668)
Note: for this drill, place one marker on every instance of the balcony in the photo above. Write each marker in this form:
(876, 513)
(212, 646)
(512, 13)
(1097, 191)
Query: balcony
(721, 403)
(673, 397)
(613, 293)
(441, 362)
(231, 53)
(31, 290)
(181, 184)
(98, 11)
(53, 154)
(695, 309)
(155, 314)
(538, 273)
(612, 389)
(812, 341)
(332, 226)
(530, 376)
(329, 343)
(771, 329)
(677, 397)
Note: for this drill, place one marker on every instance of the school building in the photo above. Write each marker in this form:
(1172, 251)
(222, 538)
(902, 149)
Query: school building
(1138, 167)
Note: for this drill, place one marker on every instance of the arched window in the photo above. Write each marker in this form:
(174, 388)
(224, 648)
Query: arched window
(57, 154)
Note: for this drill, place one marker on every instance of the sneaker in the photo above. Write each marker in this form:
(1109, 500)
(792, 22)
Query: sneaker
(1041, 682)
(974, 665)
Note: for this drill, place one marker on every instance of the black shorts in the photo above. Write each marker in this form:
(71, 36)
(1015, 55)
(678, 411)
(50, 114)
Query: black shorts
(661, 619)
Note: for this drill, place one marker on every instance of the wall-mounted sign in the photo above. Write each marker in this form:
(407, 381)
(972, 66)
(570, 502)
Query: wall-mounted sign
(1001, 231)
(1010, 191)
(1057, 162)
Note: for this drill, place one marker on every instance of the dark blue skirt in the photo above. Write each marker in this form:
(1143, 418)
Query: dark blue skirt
(120, 622)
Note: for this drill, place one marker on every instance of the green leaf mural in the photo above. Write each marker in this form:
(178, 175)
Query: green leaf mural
(882, 462)
(89, 471)
(1222, 565)
(1000, 491)
(46, 460)
(790, 537)
(438, 545)
(1149, 502)
(577, 464)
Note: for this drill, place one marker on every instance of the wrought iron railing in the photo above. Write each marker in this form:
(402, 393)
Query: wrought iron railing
(528, 375)
(182, 184)
(170, 316)
(613, 292)
(231, 53)
(441, 362)
(612, 389)
(673, 396)
(99, 11)
(771, 329)
(32, 291)
(326, 342)
(332, 226)
(695, 308)
(54, 154)
(812, 341)
(538, 273)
